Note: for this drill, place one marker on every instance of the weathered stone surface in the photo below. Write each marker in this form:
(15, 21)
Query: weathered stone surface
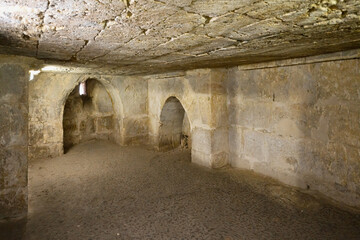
(295, 120)
(202, 94)
(13, 135)
(88, 117)
(48, 95)
(298, 124)
(140, 36)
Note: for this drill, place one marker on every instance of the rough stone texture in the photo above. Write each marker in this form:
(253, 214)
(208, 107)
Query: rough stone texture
(299, 124)
(186, 133)
(141, 36)
(199, 93)
(13, 135)
(295, 120)
(89, 117)
(172, 121)
(48, 94)
(99, 190)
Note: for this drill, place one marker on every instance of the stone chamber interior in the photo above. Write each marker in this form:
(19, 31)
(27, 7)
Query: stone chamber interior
(89, 115)
(180, 119)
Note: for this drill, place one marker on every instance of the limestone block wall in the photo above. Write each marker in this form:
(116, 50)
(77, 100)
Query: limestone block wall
(47, 97)
(202, 94)
(296, 120)
(90, 116)
(133, 91)
(299, 123)
(14, 77)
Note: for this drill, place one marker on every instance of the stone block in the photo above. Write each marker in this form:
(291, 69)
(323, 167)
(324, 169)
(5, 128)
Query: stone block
(13, 138)
(236, 142)
(104, 124)
(220, 140)
(135, 126)
(219, 160)
(219, 111)
(238, 161)
(201, 140)
(201, 158)
(255, 146)
(12, 81)
(136, 140)
(252, 114)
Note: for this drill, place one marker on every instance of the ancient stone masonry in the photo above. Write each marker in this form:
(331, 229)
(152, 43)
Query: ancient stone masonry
(294, 120)
(269, 86)
(89, 116)
(172, 119)
(299, 124)
(14, 76)
(48, 95)
(140, 36)
(202, 95)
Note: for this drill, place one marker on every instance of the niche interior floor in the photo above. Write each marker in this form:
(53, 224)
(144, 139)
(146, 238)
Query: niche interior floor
(99, 190)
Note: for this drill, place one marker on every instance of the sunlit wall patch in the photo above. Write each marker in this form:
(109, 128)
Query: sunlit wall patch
(33, 73)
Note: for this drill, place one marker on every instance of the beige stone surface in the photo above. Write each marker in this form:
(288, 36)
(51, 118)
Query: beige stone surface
(140, 36)
(202, 94)
(89, 116)
(47, 98)
(294, 120)
(13, 135)
(299, 124)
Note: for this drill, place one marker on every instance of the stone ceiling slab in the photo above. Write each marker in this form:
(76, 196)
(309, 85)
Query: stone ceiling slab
(135, 35)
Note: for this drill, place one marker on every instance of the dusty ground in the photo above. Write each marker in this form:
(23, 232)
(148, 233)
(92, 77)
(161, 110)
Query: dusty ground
(102, 191)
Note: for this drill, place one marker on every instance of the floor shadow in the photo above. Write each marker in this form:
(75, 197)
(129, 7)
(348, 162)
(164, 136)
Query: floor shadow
(12, 229)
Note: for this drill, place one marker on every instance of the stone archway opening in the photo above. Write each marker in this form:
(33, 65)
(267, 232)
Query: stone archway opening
(88, 114)
(174, 126)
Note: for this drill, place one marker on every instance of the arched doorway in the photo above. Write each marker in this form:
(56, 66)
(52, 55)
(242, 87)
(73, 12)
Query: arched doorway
(88, 114)
(174, 126)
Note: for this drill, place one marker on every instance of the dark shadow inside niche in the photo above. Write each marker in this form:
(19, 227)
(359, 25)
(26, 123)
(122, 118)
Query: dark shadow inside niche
(174, 126)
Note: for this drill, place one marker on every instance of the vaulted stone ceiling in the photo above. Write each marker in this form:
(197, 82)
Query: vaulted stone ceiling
(137, 36)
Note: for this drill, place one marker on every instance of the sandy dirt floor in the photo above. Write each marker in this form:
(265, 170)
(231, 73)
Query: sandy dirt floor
(99, 190)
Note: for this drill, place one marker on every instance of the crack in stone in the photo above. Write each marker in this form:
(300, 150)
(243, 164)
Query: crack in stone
(143, 33)
(253, 13)
(156, 1)
(126, 2)
(207, 18)
(100, 2)
(74, 57)
(105, 25)
(42, 21)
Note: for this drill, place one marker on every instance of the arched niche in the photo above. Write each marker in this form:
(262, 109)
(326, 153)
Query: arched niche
(175, 127)
(89, 116)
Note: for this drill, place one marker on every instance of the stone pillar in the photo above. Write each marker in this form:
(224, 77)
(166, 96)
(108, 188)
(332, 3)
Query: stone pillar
(202, 93)
(210, 145)
(14, 77)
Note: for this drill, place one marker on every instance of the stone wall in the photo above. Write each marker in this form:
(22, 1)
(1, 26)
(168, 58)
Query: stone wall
(202, 94)
(89, 116)
(295, 120)
(14, 77)
(299, 123)
(133, 91)
(47, 98)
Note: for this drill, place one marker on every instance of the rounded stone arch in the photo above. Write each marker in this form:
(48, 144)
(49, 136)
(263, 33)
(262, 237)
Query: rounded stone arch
(186, 107)
(110, 89)
(174, 124)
